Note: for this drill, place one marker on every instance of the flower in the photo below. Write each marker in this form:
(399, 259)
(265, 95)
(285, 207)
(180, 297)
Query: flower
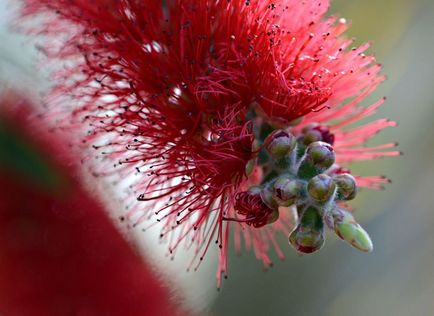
(185, 94)
(60, 251)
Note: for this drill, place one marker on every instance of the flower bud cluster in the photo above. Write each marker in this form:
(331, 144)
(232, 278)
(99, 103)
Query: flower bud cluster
(301, 174)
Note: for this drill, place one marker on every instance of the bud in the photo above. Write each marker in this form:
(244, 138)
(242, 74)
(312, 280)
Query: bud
(315, 132)
(279, 143)
(268, 197)
(311, 136)
(287, 190)
(321, 188)
(321, 155)
(347, 186)
(318, 158)
(349, 230)
(308, 237)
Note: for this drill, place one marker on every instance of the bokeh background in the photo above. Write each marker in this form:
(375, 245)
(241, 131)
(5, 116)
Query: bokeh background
(398, 277)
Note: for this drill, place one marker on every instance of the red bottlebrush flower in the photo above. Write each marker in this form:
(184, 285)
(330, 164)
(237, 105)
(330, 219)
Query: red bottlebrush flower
(60, 252)
(184, 93)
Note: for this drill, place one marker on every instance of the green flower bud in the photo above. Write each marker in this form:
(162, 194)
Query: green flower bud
(309, 127)
(321, 155)
(315, 132)
(321, 188)
(349, 230)
(287, 190)
(280, 143)
(347, 186)
(311, 137)
(267, 197)
(308, 236)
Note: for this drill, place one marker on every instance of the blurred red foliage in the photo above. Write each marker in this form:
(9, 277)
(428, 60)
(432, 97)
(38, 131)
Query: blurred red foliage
(59, 251)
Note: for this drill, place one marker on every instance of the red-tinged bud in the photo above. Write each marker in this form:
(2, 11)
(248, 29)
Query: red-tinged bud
(346, 186)
(319, 157)
(315, 132)
(308, 236)
(280, 143)
(268, 197)
(321, 188)
(287, 190)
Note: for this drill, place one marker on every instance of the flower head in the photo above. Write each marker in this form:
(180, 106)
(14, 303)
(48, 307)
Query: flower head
(190, 95)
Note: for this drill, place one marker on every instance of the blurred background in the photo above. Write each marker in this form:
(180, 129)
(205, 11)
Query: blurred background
(398, 277)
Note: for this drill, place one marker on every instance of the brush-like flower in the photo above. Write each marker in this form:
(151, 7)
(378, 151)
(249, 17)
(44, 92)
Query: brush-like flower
(185, 93)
